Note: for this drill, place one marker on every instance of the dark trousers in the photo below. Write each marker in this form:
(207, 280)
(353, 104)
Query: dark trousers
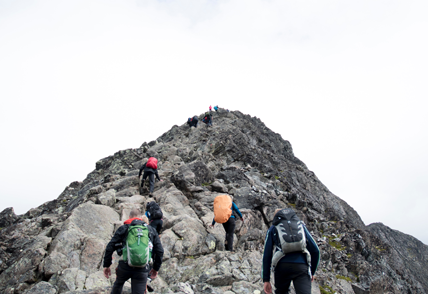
(157, 224)
(297, 272)
(229, 227)
(138, 278)
(151, 176)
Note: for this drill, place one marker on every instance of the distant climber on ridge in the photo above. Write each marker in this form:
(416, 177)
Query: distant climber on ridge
(216, 108)
(210, 108)
(193, 122)
(207, 119)
(223, 214)
(291, 253)
(150, 169)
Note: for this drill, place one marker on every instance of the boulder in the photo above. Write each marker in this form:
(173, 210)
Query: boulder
(7, 217)
(107, 198)
(71, 279)
(42, 288)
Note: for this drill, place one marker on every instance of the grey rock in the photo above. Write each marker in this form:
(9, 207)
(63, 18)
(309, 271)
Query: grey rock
(63, 240)
(7, 217)
(107, 198)
(42, 288)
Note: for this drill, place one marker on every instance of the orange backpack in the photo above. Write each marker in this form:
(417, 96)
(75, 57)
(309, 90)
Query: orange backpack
(222, 208)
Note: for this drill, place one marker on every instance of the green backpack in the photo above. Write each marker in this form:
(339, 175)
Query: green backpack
(137, 251)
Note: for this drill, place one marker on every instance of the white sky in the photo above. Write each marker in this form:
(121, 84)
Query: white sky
(344, 81)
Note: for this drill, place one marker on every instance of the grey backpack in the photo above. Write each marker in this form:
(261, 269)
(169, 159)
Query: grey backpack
(291, 234)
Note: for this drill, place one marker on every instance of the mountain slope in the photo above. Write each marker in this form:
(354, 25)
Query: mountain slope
(55, 247)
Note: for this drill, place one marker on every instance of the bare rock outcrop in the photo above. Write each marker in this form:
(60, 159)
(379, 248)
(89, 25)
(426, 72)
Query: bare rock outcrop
(58, 247)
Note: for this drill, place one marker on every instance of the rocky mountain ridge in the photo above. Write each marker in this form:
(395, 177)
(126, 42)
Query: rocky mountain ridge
(58, 247)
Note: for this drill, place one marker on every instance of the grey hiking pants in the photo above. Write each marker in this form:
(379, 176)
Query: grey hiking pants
(151, 176)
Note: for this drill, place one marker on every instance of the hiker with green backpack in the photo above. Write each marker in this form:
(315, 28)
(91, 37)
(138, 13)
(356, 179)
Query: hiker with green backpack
(136, 242)
(291, 253)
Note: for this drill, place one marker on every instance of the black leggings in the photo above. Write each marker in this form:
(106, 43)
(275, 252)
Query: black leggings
(297, 272)
(157, 224)
(229, 227)
(138, 278)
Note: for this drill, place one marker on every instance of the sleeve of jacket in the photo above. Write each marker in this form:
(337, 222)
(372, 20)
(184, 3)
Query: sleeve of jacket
(313, 249)
(235, 208)
(118, 237)
(267, 255)
(157, 249)
(141, 170)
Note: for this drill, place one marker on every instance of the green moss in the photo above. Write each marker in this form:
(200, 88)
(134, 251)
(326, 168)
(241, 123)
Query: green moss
(344, 278)
(276, 177)
(383, 249)
(326, 290)
(292, 204)
(205, 184)
(190, 257)
(349, 255)
(336, 245)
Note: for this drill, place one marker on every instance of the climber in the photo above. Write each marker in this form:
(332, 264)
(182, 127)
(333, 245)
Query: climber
(193, 122)
(150, 169)
(210, 108)
(216, 108)
(291, 252)
(226, 211)
(124, 271)
(154, 213)
(207, 119)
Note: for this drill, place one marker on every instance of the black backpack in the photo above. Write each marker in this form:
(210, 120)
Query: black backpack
(291, 234)
(154, 210)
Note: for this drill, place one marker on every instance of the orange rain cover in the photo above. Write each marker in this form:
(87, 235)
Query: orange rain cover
(222, 208)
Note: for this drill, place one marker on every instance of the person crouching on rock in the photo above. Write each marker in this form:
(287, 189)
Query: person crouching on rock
(150, 169)
(291, 253)
(141, 240)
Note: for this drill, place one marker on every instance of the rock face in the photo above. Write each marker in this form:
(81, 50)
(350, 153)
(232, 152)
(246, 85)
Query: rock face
(58, 247)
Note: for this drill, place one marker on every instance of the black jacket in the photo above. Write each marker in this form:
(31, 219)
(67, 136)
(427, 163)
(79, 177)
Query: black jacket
(120, 237)
(148, 169)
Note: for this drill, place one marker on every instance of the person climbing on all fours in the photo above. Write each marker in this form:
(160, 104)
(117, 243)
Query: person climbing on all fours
(193, 122)
(150, 169)
(207, 119)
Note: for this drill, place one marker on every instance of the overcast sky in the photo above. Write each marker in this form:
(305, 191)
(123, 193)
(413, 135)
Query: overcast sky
(344, 81)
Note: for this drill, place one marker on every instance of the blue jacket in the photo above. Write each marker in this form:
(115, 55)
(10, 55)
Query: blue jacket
(272, 240)
(234, 208)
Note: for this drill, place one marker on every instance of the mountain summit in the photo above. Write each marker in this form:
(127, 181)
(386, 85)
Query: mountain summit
(58, 247)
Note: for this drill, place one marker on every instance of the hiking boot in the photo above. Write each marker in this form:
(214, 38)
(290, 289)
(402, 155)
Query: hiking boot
(150, 194)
